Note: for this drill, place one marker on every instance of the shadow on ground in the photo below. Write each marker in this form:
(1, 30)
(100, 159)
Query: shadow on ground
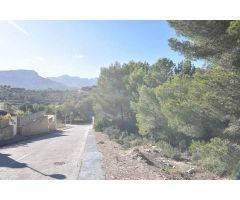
(24, 140)
(8, 162)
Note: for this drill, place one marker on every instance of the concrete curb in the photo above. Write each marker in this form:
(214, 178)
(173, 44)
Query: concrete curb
(91, 168)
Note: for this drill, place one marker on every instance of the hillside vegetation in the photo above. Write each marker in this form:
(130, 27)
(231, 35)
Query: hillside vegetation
(183, 109)
(68, 104)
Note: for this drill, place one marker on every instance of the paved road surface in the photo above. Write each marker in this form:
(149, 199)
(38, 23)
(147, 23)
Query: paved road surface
(54, 156)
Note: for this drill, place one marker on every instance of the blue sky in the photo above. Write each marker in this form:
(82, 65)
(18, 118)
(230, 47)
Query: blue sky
(81, 48)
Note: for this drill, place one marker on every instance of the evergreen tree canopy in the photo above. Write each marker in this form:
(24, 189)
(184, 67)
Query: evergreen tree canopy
(215, 41)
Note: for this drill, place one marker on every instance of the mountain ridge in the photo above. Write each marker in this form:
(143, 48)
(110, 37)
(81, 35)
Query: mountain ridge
(74, 81)
(30, 79)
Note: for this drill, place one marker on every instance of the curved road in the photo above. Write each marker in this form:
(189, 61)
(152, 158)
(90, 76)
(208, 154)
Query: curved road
(54, 156)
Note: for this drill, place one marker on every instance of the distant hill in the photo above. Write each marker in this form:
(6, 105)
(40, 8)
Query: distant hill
(28, 79)
(74, 81)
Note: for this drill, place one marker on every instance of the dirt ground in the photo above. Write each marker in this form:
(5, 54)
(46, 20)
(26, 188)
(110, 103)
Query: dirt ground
(144, 163)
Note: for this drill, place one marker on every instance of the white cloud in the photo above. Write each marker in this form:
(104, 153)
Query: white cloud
(17, 27)
(79, 56)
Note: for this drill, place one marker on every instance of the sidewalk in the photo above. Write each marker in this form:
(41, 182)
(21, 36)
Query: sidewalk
(91, 168)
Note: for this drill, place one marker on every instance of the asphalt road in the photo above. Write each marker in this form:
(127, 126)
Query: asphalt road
(53, 156)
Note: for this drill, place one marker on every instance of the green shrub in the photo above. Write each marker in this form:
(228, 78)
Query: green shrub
(7, 117)
(215, 165)
(218, 156)
(137, 142)
(232, 132)
(125, 138)
(20, 113)
(113, 132)
(196, 156)
(122, 137)
(168, 150)
(127, 125)
(182, 145)
(60, 124)
(100, 124)
(236, 174)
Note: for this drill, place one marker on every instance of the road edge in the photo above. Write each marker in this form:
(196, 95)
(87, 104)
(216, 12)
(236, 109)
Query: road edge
(91, 168)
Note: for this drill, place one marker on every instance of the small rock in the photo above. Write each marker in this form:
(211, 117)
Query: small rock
(101, 142)
(169, 165)
(136, 150)
(113, 177)
(139, 158)
(156, 151)
(148, 151)
(191, 171)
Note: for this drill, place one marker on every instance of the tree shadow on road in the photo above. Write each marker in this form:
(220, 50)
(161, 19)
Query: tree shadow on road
(8, 162)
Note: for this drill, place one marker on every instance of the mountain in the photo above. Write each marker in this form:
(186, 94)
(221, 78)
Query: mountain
(74, 81)
(28, 79)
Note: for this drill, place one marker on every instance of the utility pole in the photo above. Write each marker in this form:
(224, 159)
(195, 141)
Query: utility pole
(55, 117)
(71, 117)
(56, 106)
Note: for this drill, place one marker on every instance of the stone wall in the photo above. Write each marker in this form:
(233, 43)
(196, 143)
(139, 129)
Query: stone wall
(31, 117)
(34, 127)
(4, 123)
(33, 124)
(6, 133)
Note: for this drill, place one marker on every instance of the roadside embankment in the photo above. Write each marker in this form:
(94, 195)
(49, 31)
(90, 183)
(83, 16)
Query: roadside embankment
(144, 162)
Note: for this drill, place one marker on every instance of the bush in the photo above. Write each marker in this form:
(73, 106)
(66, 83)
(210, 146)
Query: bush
(100, 124)
(138, 141)
(60, 124)
(236, 173)
(128, 125)
(168, 150)
(7, 117)
(113, 132)
(125, 138)
(122, 137)
(218, 156)
(20, 113)
(232, 132)
(182, 145)
(215, 166)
